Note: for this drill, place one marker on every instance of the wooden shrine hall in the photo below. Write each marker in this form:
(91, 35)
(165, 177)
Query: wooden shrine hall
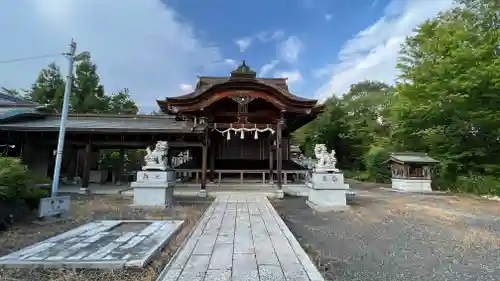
(247, 125)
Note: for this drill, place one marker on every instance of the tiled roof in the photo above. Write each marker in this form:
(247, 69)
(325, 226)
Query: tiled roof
(9, 99)
(412, 157)
(105, 123)
(206, 82)
(7, 113)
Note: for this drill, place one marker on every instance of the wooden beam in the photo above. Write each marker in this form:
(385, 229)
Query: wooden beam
(117, 144)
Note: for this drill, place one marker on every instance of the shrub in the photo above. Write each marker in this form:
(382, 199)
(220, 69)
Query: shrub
(375, 163)
(33, 196)
(478, 184)
(362, 176)
(14, 178)
(350, 174)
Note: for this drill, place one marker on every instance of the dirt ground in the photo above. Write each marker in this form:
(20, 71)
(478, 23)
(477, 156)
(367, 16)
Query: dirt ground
(393, 236)
(87, 208)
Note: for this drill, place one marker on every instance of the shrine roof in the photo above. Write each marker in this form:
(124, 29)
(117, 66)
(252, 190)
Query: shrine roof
(6, 99)
(105, 123)
(12, 107)
(207, 82)
(412, 157)
(242, 78)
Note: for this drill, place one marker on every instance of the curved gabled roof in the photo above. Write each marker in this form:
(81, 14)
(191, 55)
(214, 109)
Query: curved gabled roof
(13, 100)
(207, 82)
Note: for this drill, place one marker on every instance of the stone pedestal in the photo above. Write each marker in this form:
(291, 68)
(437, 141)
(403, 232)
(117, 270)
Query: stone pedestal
(412, 185)
(327, 191)
(154, 188)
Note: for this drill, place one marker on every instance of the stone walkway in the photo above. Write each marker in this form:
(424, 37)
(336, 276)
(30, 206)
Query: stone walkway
(241, 238)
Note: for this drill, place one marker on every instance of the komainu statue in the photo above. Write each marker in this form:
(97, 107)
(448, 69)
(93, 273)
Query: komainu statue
(324, 160)
(156, 159)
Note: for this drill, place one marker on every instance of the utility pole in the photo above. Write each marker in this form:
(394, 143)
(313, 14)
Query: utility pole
(64, 117)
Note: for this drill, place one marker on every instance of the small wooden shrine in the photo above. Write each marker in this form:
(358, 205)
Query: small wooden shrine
(411, 171)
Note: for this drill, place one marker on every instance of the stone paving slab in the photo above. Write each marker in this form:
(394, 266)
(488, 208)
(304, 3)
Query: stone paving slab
(241, 237)
(98, 244)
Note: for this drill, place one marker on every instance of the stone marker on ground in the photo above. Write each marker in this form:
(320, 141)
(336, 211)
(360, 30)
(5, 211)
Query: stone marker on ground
(98, 244)
(54, 206)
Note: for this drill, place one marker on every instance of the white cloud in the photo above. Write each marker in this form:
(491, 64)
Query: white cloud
(290, 49)
(230, 62)
(186, 88)
(140, 45)
(293, 77)
(266, 68)
(267, 36)
(244, 43)
(328, 17)
(262, 36)
(373, 52)
(277, 35)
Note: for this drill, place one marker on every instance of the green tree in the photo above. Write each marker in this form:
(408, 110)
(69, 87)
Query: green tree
(366, 108)
(48, 88)
(156, 112)
(448, 100)
(88, 95)
(11, 92)
(121, 103)
(351, 124)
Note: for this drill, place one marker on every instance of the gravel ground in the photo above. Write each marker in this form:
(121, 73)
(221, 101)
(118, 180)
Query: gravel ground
(392, 236)
(87, 208)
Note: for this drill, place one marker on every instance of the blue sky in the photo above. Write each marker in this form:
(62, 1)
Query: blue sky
(156, 48)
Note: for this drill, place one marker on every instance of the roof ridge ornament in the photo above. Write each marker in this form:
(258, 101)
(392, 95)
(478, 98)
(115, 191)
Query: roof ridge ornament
(243, 71)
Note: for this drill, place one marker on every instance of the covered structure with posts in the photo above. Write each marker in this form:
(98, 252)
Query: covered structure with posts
(411, 171)
(232, 130)
(247, 124)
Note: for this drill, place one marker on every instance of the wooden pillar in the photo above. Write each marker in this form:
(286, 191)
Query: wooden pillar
(271, 161)
(73, 159)
(279, 151)
(204, 162)
(212, 145)
(121, 166)
(86, 167)
(169, 159)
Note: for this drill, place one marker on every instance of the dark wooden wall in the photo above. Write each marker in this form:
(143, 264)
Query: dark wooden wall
(247, 148)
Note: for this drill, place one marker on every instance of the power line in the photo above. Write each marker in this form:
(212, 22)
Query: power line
(30, 58)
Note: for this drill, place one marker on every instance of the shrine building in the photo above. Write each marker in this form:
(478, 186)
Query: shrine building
(229, 131)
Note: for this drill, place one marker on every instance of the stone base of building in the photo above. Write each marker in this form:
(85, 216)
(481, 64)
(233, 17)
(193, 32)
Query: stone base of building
(84, 191)
(279, 193)
(202, 193)
(328, 192)
(153, 189)
(412, 185)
